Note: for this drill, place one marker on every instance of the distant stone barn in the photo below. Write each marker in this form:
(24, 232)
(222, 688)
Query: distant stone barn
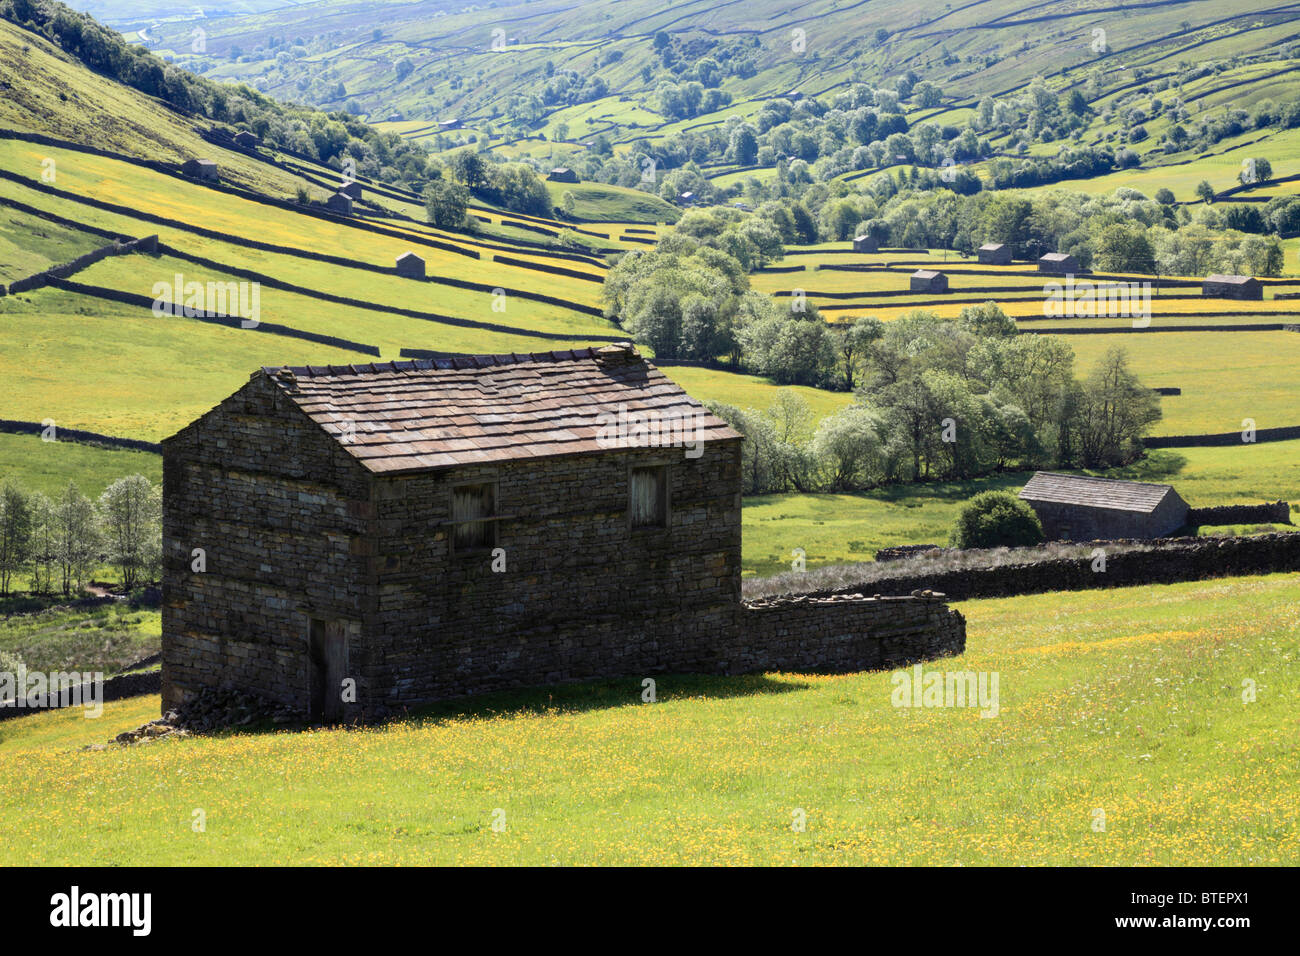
(1059, 263)
(340, 203)
(1080, 508)
(410, 265)
(201, 169)
(865, 244)
(351, 540)
(928, 280)
(995, 254)
(1232, 287)
(562, 174)
(352, 189)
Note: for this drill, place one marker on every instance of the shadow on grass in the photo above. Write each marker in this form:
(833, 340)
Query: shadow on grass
(597, 695)
(1158, 464)
(548, 701)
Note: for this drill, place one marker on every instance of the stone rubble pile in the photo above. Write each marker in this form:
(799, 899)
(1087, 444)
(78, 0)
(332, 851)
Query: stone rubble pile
(208, 711)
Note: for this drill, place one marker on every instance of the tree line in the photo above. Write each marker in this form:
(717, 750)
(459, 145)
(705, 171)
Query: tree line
(58, 543)
(938, 399)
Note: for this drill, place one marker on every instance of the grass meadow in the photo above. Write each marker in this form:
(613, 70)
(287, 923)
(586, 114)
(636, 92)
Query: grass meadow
(1127, 713)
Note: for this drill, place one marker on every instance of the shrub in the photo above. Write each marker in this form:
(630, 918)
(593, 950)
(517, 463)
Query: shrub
(996, 519)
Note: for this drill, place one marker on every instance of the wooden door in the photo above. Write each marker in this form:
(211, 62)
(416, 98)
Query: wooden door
(328, 659)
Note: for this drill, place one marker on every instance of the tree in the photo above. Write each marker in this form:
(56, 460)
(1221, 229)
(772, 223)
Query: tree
(1255, 171)
(848, 447)
(792, 425)
(987, 319)
(927, 94)
(1115, 411)
(469, 167)
(996, 519)
(803, 352)
(15, 533)
(743, 148)
(1205, 191)
(130, 513)
(853, 340)
(45, 537)
(517, 187)
(445, 203)
(1124, 247)
(76, 546)
(404, 68)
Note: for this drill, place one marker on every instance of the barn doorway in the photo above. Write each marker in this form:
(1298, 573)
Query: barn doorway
(327, 656)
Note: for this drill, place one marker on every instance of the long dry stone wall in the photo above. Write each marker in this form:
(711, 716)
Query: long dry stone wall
(1273, 512)
(1167, 562)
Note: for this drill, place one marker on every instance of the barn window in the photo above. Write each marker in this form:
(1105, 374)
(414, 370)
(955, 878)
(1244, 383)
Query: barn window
(468, 503)
(648, 496)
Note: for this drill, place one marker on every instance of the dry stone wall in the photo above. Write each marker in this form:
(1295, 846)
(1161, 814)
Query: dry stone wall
(1165, 561)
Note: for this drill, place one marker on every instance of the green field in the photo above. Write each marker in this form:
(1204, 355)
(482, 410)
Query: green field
(47, 467)
(105, 639)
(1127, 710)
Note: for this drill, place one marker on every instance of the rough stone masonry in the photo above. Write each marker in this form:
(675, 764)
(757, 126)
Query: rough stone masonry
(349, 540)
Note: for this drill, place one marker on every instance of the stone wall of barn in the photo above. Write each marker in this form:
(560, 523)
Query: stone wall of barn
(283, 538)
(581, 595)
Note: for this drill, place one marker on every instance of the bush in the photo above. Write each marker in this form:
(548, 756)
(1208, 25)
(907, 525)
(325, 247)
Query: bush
(996, 519)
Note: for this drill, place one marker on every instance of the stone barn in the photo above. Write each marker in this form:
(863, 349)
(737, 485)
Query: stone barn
(1058, 263)
(927, 280)
(410, 265)
(203, 169)
(995, 254)
(352, 189)
(562, 174)
(340, 203)
(246, 139)
(865, 244)
(1232, 287)
(351, 540)
(1079, 508)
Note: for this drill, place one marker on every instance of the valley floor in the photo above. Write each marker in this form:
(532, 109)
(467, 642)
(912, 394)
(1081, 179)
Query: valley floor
(1156, 727)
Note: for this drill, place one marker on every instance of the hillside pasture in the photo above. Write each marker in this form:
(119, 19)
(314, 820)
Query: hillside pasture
(1128, 706)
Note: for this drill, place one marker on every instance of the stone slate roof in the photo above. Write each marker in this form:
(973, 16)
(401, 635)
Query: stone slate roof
(991, 246)
(475, 409)
(1231, 280)
(925, 274)
(1109, 493)
(1055, 257)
